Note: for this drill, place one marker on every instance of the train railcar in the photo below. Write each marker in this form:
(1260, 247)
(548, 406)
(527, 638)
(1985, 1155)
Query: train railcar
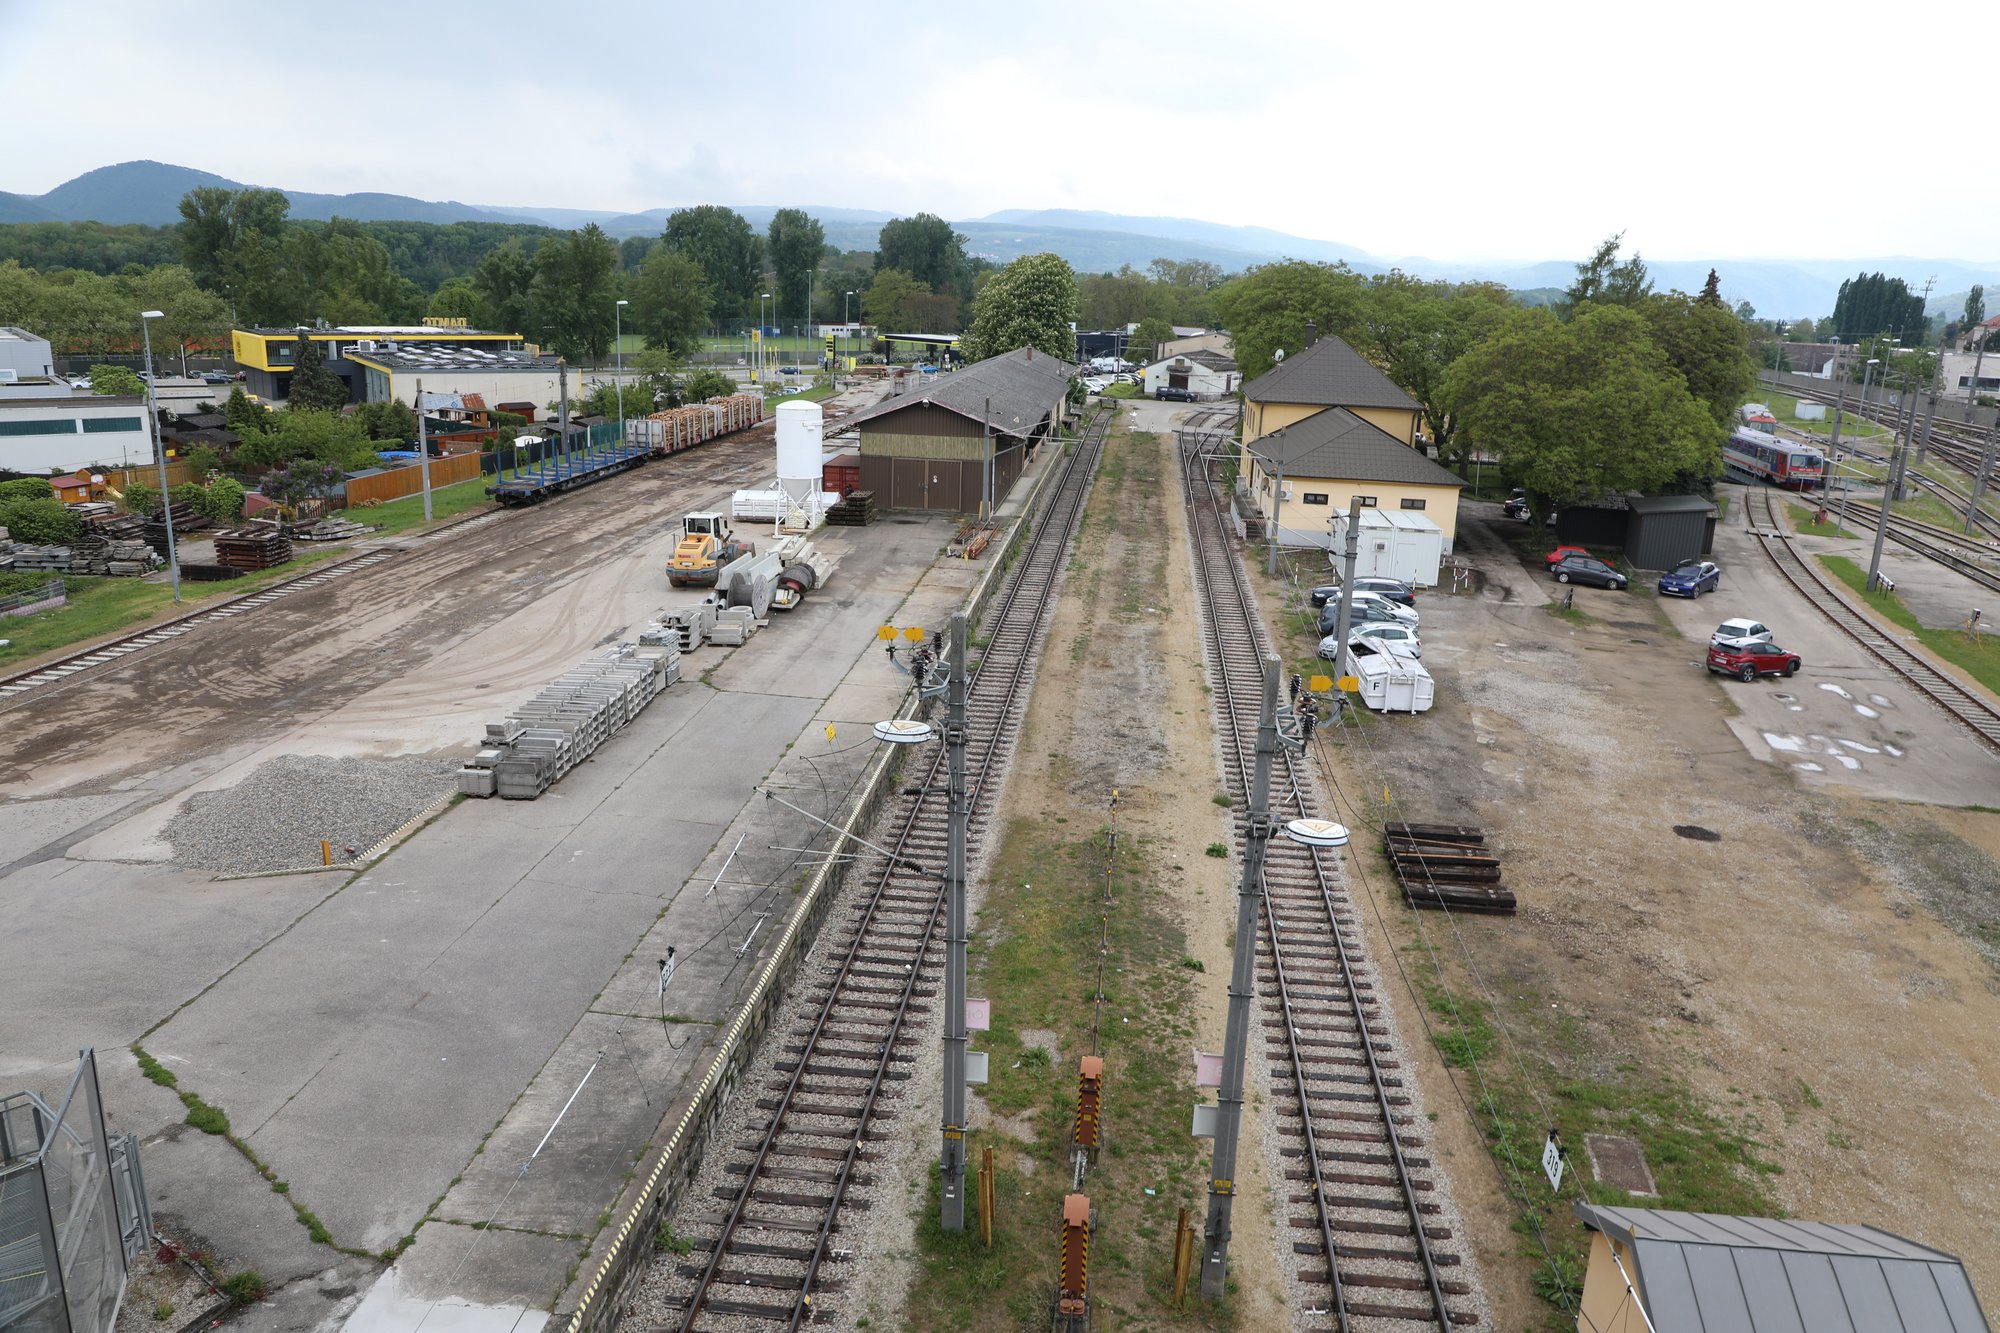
(1757, 417)
(1759, 457)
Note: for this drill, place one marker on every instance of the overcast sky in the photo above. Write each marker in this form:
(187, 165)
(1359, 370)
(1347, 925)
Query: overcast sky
(1444, 129)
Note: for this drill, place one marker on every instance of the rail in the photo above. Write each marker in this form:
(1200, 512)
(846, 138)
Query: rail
(1327, 1012)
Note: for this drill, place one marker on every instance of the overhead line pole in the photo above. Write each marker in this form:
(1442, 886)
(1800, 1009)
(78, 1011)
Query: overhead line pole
(951, 1162)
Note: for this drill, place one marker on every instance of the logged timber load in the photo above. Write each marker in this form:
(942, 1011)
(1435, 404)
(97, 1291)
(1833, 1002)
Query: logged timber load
(706, 545)
(679, 428)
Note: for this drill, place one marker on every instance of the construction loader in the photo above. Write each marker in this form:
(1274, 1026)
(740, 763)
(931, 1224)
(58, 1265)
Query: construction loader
(706, 545)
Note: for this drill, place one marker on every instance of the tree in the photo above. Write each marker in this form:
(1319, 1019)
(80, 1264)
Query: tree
(573, 291)
(342, 272)
(221, 501)
(323, 437)
(1416, 329)
(456, 299)
(729, 253)
(1146, 338)
(1582, 409)
(203, 459)
(703, 385)
(242, 414)
(389, 422)
(190, 314)
(502, 282)
(27, 488)
(671, 302)
(1267, 309)
(1708, 345)
(140, 498)
(1030, 303)
(1975, 306)
(926, 248)
(233, 243)
(1603, 280)
(796, 245)
(1711, 291)
(116, 381)
(1871, 303)
(890, 301)
(39, 522)
(313, 385)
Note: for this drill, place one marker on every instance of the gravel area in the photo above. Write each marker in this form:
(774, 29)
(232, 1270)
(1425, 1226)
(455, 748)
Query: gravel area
(275, 818)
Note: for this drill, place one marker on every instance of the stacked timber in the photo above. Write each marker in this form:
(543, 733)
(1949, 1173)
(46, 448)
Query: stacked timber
(185, 520)
(107, 522)
(96, 553)
(1446, 866)
(855, 510)
(262, 546)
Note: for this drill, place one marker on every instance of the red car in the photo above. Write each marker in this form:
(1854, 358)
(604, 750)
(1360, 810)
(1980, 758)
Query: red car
(1748, 661)
(1562, 553)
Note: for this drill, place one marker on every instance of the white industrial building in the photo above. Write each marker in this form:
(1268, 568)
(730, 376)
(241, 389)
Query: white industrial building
(42, 431)
(1205, 374)
(23, 356)
(390, 372)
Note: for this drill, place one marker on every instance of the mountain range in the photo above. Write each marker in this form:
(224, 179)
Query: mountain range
(1093, 242)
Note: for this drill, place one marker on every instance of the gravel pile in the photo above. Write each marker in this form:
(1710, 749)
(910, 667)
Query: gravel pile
(275, 818)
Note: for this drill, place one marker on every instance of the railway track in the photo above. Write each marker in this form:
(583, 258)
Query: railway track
(1934, 543)
(761, 1259)
(1978, 716)
(1361, 1185)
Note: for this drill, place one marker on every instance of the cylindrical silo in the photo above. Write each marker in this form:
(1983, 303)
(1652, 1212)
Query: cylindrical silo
(799, 461)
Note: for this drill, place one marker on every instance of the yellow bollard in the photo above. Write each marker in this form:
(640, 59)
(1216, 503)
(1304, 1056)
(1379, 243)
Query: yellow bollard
(325, 852)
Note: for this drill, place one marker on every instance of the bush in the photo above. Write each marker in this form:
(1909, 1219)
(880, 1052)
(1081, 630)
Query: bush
(27, 488)
(203, 459)
(514, 419)
(141, 498)
(705, 384)
(222, 501)
(39, 522)
(244, 1288)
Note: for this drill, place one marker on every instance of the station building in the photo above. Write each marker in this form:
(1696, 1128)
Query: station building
(957, 444)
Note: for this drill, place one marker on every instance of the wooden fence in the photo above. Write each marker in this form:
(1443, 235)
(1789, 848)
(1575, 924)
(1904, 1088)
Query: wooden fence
(119, 478)
(381, 486)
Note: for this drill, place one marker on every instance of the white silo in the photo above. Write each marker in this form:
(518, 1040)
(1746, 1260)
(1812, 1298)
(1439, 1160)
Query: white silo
(800, 456)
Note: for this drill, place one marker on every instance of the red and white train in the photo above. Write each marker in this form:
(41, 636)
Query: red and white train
(1761, 457)
(1758, 417)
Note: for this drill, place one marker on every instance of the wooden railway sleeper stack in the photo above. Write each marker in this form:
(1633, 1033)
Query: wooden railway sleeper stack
(1446, 866)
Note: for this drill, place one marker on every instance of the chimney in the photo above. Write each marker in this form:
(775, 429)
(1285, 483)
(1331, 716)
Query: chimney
(1031, 352)
(1312, 334)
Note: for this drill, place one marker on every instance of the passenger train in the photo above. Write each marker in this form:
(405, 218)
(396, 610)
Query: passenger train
(1756, 416)
(1761, 457)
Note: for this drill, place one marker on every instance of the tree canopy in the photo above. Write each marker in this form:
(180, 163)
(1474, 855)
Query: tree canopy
(1603, 279)
(1871, 304)
(926, 248)
(571, 297)
(1415, 330)
(1031, 302)
(1268, 308)
(796, 244)
(1708, 345)
(313, 385)
(730, 254)
(671, 302)
(1582, 409)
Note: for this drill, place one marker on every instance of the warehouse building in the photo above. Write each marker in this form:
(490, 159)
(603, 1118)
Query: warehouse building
(23, 356)
(1301, 475)
(43, 431)
(958, 444)
(1205, 374)
(266, 356)
(393, 373)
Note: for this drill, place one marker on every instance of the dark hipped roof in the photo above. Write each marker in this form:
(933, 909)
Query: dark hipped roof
(1018, 388)
(1709, 1272)
(1335, 443)
(1330, 373)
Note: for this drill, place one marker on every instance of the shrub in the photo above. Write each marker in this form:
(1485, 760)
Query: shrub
(1216, 850)
(244, 1288)
(27, 488)
(141, 498)
(203, 459)
(222, 500)
(39, 522)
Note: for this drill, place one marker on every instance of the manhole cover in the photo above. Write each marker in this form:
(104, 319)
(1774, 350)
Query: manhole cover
(1782, 697)
(1697, 833)
(1620, 1162)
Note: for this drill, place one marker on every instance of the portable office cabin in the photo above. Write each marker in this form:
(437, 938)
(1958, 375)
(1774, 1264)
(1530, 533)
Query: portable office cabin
(1395, 544)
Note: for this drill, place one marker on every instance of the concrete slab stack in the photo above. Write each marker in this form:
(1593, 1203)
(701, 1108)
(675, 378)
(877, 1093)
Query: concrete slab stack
(524, 754)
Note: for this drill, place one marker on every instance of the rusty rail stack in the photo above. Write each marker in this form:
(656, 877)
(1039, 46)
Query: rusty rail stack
(1446, 866)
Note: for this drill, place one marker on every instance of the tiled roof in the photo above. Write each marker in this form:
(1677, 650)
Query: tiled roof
(1329, 373)
(1336, 444)
(1013, 391)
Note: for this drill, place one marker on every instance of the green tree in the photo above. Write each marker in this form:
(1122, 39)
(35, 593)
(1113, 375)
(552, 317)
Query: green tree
(27, 488)
(702, 385)
(203, 459)
(1708, 345)
(313, 385)
(796, 244)
(117, 382)
(1113, 300)
(1871, 304)
(891, 302)
(1604, 280)
(233, 242)
(221, 501)
(502, 282)
(573, 291)
(671, 302)
(39, 522)
(1415, 330)
(926, 248)
(1975, 306)
(730, 254)
(1711, 290)
(242, 414)
(1584, 409)
(1031, 302)
(456, 299)
(189, 314)
(343, 272)
(1151, 332)
(390, 422)
(1267, 309)
(323, 438)
(140, 498)
(651, 376)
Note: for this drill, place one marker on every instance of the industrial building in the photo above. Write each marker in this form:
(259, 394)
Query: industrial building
(24, 356)
(957, 444)
(43, 430)
(1300, 475)
(1208, 375)
(266, 356)
(392, 373)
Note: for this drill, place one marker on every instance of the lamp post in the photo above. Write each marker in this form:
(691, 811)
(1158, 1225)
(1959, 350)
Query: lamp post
(847, 322)
(618, 361)
(762, 355)
(159, 448)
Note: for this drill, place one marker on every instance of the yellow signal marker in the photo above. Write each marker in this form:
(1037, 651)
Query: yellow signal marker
(1319, 684)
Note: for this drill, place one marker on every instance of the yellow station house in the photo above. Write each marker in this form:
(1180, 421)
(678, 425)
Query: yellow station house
(1337, 428)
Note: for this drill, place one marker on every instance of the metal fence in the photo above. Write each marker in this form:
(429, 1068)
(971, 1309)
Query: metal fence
(52, 593)
(73, 1211)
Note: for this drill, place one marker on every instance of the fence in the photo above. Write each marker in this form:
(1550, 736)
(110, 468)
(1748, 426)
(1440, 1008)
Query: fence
(380, 486)
(25, 603)
(120, 479)
(73, 1211)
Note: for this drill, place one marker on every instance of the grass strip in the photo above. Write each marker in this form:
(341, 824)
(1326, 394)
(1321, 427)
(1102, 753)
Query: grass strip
(1976, 654)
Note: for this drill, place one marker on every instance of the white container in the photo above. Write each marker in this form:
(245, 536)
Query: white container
(1390, 682)
(1395, 544)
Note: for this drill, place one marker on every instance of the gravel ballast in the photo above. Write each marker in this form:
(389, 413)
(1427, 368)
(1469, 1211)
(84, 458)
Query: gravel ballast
(276, 817)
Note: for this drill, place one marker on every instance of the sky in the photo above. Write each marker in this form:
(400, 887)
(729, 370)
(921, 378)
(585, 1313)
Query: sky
(1446, 130)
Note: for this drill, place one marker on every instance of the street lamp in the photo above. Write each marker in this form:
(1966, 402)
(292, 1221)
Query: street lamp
(761, 326)
(159, 448)
(846, 323)
(618, 361)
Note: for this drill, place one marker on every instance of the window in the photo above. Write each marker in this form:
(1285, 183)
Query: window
(106, 425)
(1413, 504)
(1367, 501)
(43, 426)
(1315, 497)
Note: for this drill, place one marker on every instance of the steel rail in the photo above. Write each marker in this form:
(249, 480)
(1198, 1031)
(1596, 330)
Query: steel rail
(1979, 717)
(996, 694)
(1235, 630)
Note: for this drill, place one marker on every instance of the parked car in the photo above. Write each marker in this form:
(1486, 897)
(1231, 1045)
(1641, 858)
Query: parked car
(788, 370)
(1096, 384)
(789, 390)
(1366, 606)
(214, 377)
(1402, 638)
(1747, 661)
(1329, 595)
(1394, 589)
(1562, 553)
(1735, 631)
(1515, 509)
(80, 382)
(1167, 393)
(1589, 569)
(1691, 578)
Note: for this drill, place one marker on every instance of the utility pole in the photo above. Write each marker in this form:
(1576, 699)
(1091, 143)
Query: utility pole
(1889, 493)
(423, 451)
(1344, 617)
(1985, 470)
(951, 1166)
(1930, 412)
(1242, 992)
(1833, 446)
(562, 411)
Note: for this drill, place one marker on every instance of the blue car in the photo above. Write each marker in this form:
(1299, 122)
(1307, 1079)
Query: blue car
(1691, 578)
